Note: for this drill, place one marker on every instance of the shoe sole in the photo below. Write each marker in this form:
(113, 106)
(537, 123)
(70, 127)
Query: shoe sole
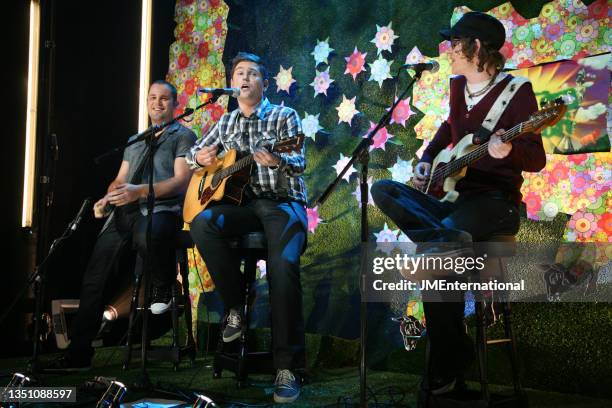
(231, 338)
(285, 400)
(162, 309)
(444, 389)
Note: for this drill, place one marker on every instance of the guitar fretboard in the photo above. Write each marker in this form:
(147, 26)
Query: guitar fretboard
(229, 170)
(457, 164)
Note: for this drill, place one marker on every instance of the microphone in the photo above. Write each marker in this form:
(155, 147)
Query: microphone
(79, 217)
(233, 92)
(431, 65)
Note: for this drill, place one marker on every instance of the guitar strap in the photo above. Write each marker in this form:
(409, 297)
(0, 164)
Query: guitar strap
(499, 106)
(136, 179)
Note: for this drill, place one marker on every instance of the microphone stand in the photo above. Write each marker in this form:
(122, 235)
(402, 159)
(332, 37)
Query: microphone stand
(37, 280)
(362, 155)
(149, 137)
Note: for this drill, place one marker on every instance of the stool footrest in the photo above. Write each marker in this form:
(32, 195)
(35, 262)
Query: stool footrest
(499, 341)
(173, 354)
(256, 362)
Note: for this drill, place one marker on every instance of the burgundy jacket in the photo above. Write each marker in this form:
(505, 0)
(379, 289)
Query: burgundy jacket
(489, 174)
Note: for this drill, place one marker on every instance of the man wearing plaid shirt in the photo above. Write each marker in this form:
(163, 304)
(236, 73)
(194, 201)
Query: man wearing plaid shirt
(275, 203)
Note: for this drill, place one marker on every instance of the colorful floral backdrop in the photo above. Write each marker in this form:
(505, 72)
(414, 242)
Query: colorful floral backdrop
(195, 62)
(339, 87)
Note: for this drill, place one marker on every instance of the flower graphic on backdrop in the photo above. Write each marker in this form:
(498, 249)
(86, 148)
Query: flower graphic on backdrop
(346, 110)
(313, 218)
(402, 112)
(402, 170)
(584, 224)
(355, 63)
(384, 38)
(386, 235)
(340, 165)
(380, 138)
(321, 82)
(321, 52)
(310, 125)
(357, 192)
(414, 56)
(284, 79)
(380, 70)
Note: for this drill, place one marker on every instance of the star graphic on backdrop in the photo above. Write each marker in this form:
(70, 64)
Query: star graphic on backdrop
(284, 79)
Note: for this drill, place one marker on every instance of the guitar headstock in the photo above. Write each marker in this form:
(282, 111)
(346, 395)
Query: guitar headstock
(289, 145)
(550, 114)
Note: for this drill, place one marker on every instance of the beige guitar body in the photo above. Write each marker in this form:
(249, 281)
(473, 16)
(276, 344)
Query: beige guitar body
(462, 148)
(201, 192)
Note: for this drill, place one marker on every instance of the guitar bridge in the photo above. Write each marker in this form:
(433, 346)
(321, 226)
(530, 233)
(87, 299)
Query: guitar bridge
(201, 185)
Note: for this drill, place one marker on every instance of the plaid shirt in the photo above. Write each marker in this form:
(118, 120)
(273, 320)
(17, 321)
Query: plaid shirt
(266, 125)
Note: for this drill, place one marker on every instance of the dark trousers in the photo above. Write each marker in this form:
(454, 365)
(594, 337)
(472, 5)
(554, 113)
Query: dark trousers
(423, 218)
(285, 225)
(120, 231)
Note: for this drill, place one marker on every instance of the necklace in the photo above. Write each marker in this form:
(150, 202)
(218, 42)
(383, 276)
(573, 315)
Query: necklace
(481, 91)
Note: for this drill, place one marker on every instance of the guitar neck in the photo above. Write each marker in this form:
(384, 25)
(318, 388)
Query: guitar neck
(239, 165)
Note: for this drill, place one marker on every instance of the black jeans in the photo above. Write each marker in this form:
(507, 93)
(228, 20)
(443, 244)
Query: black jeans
(425, 219)
(123, 228)
(285, 225)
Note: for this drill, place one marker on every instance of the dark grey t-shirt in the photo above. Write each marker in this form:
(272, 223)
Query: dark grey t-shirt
(175, 141)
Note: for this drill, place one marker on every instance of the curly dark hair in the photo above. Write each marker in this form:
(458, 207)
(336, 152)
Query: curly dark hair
(488, 56)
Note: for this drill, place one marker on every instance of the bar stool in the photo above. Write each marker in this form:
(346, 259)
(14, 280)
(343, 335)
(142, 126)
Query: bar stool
(175, 352)
(250, 248)
(498, 248)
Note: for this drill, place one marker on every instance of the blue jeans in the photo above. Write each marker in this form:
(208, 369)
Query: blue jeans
(285, 225)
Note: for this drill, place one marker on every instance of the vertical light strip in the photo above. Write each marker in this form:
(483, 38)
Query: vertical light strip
(145, 63)
(29, 171)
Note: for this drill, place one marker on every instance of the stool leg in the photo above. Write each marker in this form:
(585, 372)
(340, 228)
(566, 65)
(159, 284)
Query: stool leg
(175, 340)
(190, 343)
(132, 319)
(512, 348)
(249, 276)
(481, 341)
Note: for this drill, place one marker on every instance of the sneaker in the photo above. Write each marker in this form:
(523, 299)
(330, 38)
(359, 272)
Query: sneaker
(233, 328)
(442, 385)
(286, 387)
(161, 299)
(67, 364)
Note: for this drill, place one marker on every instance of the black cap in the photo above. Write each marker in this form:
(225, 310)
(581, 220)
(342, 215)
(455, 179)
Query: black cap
(476, 24)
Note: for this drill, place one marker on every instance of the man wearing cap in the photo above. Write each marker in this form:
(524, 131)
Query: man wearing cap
(489, 194)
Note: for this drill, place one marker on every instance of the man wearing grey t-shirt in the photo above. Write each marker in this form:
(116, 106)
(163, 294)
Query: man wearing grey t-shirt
(125, 206)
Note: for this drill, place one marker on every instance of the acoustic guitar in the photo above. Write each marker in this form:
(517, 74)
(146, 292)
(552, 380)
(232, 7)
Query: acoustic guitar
(226, 179)
(450, 166)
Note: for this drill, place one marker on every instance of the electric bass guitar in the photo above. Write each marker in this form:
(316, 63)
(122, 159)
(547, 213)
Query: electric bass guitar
(450, 166)
(226, 179)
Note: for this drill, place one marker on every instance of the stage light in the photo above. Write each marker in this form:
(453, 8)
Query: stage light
(18, 380)
(112, 396)
(145, 63)
(29, 171)
(203, 402)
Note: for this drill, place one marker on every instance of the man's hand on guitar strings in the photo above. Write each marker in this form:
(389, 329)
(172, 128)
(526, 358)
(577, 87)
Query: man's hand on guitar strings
(497, 148)
(421, 174)
(265, 158)
(206, 155)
